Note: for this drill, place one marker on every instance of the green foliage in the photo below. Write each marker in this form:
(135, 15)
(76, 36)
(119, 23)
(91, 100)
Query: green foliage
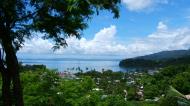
(31, 67)
(182, 82)
(73, 90)
(114, 101)
(44, 87)
(151, 86)
(169, 101)
(141, 103)
(151, 91)
(40, 87)
(131, 93)
(107, 80)
(138, 63)
(57, 19)
(156, 85)
(174, 98)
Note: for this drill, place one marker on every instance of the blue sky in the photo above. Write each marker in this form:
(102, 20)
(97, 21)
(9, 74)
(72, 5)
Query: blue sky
(135, 23)
(144, 27)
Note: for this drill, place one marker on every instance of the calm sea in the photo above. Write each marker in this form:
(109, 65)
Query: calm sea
(74, 64)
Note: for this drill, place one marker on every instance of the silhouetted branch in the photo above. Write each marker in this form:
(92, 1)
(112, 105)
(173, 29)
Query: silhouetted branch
(2, 67)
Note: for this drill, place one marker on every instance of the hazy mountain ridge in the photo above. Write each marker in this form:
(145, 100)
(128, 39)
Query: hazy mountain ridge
(156, 60)
(166, 55)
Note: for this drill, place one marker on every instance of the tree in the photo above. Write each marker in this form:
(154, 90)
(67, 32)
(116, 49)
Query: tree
(36, 82)
(181, 82)
(56, 19)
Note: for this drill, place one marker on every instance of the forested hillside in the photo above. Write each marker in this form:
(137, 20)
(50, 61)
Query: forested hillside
(158, 60)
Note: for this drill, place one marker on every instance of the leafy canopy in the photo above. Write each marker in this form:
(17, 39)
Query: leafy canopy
(56, 19)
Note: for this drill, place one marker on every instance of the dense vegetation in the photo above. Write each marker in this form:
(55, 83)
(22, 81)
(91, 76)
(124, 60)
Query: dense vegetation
(156, 88)
(138, 63)
(44, 87)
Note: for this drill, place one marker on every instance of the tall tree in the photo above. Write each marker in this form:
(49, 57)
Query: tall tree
(56, 19)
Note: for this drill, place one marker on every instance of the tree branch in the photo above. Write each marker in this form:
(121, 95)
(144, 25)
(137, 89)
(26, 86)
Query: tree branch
(29, 15)
(2, 67)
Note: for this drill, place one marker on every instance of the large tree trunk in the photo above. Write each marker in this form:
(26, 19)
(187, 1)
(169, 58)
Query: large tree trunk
(13, 69)
(6, 93)
(6, 79)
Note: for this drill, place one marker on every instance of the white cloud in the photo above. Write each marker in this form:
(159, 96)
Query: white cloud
(161, 40)
(164, 38)
(106, 34)
(162, 26)
(102, 43)
(135, 5)
(37, 45)
(138, 5)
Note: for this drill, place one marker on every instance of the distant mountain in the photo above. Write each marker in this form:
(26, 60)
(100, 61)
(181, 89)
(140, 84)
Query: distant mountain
(166, 55)
(157, 60)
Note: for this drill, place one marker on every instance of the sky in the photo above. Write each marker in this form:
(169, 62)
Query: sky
(144, 27)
